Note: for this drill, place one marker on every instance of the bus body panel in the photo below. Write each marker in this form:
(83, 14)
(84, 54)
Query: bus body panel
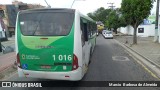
(51, 57)
(71, 75)
(78, 49)
(77, 39)
(45, 53)
(93, 42)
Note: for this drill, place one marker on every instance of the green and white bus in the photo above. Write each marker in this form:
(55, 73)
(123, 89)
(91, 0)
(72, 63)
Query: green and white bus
(54, 43)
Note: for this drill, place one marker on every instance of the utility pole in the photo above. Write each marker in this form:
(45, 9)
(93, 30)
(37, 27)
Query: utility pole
(111, 5)
(156, 25)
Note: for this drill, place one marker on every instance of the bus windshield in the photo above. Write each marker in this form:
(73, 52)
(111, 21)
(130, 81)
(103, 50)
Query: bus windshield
(46, 23)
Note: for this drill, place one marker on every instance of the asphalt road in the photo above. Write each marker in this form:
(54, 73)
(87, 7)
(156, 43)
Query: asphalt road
(110, 62)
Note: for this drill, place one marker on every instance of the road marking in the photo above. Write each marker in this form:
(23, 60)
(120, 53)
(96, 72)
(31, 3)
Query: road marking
(149, 71)
(139, 62)
(120, 58)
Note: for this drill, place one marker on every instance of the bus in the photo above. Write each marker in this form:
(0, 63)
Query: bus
(100, 27)
(54, 43)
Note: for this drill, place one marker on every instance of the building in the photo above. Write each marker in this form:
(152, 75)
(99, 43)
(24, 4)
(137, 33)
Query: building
(142, 30)
(8, 14)
(2, 30)
(145, 29)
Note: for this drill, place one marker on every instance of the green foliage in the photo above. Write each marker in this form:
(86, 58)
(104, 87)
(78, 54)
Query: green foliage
(134, 11)
(115, 20)
(122, 22)
(100, 14)
(112, 20)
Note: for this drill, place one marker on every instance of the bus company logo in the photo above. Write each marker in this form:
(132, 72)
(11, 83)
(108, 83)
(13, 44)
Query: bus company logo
(44, 47)
(6, 84)
(23, 56)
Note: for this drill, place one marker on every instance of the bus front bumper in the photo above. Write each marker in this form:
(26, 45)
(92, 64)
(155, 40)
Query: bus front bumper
(70, 75)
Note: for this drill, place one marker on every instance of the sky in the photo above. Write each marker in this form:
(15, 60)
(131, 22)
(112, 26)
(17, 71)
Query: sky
(84, 6)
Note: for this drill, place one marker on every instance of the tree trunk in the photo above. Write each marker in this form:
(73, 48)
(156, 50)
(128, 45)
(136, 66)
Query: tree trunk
(115, 31)
(135, 36)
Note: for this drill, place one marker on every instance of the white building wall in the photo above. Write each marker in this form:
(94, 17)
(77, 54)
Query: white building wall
(148, 30)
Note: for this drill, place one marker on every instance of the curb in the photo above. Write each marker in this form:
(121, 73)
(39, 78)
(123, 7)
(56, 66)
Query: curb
(143, 61)
(143, 57)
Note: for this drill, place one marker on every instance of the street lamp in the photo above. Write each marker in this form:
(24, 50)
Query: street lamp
(47, 4)
(73, 3)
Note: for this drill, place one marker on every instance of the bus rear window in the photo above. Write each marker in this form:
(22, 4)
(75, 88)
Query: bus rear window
(46, 23)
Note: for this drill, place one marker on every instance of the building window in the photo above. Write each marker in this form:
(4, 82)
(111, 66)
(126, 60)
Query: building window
(140, 30)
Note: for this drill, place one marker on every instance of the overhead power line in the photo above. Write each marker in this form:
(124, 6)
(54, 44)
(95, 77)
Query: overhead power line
(111, 5)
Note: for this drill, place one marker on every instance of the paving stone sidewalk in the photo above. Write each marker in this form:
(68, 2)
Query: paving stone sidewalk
(7, 59)
(145, 47)
(10, 45)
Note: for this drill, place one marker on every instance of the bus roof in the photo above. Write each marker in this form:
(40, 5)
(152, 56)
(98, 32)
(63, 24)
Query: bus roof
(48, 9)
(57, 9)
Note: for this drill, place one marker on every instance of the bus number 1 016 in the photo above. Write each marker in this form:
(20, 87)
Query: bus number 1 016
(62, 57)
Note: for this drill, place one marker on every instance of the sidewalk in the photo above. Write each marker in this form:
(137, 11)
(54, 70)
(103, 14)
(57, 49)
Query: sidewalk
(7, 60)
(10, 43)
(145, 47)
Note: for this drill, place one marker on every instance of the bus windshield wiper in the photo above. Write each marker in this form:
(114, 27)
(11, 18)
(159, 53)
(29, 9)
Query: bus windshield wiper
(37, 26)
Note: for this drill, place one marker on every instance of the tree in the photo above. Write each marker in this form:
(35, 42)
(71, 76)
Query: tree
(134, 11)
(112, 21)
(100, 14)
(115, 20)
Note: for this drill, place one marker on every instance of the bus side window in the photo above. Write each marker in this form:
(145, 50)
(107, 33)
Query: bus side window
(82, 32)
(85, 29)
(85, 32)
(94, 30)
(89, 29)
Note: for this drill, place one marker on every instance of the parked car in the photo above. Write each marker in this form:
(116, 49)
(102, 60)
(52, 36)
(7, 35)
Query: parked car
(107, 34)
